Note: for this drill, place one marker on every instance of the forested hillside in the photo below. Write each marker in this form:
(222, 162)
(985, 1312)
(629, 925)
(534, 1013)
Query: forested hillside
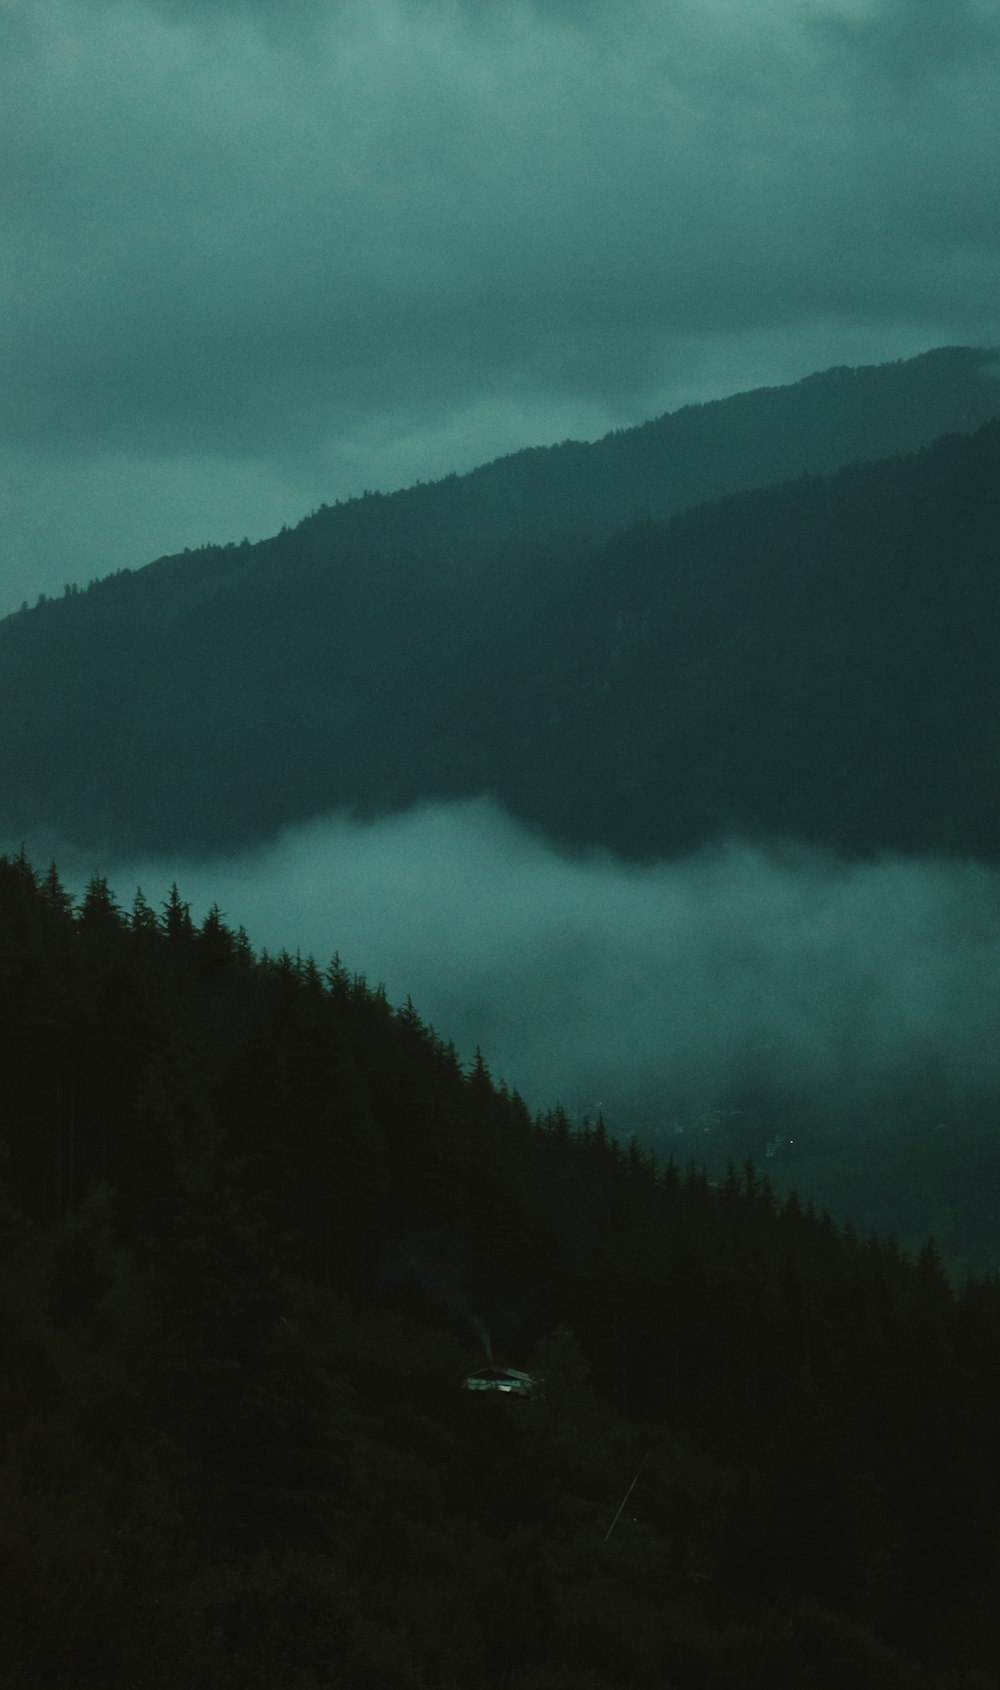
(254, 1222)
(814, 661)
(807, 659)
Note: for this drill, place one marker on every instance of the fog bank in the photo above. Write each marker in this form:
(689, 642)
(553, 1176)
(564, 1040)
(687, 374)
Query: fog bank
(657, 992)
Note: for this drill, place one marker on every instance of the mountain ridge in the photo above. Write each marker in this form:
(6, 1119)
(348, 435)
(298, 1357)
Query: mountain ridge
(214, 698)
(921, 410)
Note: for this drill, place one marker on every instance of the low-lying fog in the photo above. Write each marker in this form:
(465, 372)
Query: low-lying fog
(659, 992)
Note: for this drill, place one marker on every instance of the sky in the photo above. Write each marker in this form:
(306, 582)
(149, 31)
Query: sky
(256, 255)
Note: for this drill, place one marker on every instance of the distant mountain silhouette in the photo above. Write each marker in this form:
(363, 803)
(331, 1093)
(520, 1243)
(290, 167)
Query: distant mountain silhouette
(816, 660)
(573, 628)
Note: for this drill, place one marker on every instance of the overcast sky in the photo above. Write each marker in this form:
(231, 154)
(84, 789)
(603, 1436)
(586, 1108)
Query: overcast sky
(257, 254)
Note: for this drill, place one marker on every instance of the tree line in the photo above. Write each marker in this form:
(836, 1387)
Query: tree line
(253, 1222)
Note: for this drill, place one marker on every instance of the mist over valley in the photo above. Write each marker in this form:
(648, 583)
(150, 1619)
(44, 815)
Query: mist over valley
(499, 845)
(734, 881)
(832, 1020)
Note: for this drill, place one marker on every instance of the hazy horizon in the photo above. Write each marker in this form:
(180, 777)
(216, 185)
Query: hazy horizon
(261, 257)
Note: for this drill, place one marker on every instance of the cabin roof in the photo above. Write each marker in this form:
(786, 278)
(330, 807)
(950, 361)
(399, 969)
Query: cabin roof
(492, 1372)
(508, 1379)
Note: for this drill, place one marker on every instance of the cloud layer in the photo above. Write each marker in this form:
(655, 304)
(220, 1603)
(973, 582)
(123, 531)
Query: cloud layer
(660, 992)
(263, 255)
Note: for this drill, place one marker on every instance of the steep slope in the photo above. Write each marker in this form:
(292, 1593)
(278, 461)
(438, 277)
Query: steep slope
(248, 1226)
(817, 660)
(428, 642)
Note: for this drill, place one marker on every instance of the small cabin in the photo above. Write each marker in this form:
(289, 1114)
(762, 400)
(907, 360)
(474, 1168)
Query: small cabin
(507, 1379)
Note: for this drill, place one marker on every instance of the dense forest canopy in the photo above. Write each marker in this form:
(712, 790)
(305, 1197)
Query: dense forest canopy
(812, 658)
(254, 1221)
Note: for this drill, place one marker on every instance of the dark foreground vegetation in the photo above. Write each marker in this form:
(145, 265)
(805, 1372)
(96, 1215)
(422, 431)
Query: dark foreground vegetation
(253, 1221)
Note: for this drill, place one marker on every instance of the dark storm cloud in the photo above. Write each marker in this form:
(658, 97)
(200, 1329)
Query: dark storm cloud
(349, 244)
(653, 989)
(912, 40)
